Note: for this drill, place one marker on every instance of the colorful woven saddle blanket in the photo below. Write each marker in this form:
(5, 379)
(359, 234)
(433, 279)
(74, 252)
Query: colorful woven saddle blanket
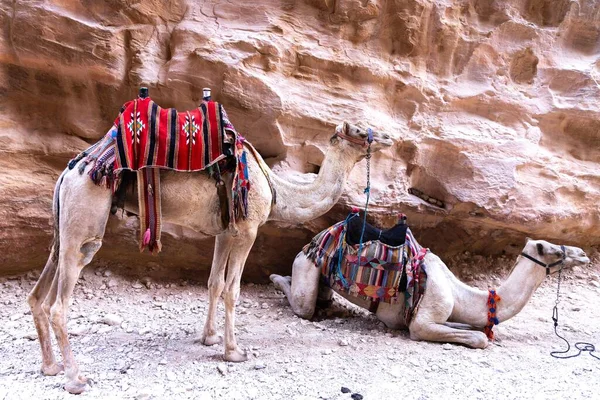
(151, 136)
(380, 273)
(146, 138)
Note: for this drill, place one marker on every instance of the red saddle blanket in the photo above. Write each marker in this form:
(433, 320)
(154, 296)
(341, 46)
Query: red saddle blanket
(151, 136)
(146, 138)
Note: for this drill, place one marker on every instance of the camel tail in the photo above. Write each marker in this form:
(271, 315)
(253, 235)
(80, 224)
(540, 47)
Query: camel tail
(55, 245)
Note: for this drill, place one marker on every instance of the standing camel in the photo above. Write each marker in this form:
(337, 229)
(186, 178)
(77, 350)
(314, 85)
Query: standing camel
(81, 210)
(446, 299)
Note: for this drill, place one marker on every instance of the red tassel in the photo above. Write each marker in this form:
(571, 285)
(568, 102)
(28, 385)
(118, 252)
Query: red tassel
(147, 237)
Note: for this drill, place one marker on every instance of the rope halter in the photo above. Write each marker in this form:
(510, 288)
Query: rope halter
(363, 142)
(548, 266)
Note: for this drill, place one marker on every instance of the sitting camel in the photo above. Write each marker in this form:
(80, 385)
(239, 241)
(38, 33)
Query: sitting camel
(445, 298)
(81, 210)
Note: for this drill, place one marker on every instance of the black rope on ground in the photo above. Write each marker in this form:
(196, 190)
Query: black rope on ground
(581, 346)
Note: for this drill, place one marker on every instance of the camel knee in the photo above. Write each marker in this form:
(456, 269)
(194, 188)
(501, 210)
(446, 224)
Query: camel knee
(305, 312)
(56, 315)
(418, 330)
(230, 297)
(33, 300)
(89, 250)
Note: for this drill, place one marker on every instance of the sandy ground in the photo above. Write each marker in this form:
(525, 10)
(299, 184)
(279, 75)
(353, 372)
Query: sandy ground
(135, 339)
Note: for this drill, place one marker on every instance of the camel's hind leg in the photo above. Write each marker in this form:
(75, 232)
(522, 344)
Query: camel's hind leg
(83, 216)
(302, 289)
(40, 316)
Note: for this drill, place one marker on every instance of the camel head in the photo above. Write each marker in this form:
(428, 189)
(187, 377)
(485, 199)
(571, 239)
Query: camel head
(354, 138)
(554, 256)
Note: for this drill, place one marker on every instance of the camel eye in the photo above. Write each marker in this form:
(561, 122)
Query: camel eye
(362, 135)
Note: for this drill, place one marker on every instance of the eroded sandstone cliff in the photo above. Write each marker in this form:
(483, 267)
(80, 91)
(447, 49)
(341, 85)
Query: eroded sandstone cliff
(493, 104)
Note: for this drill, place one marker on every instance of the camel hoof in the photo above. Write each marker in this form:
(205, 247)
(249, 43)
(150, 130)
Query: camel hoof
(235, 356)
(210, 340)
(52, 369)
(272, 277)
(75, 387)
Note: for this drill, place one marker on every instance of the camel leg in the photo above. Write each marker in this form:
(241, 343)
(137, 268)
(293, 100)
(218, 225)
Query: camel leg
(303, 291)
(40, 312)
(84, 211)
(235, 267)
(431, 331)
(432, 314)
(216, 284)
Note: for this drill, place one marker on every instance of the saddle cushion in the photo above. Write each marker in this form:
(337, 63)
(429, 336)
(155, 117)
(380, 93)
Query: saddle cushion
(395, 236)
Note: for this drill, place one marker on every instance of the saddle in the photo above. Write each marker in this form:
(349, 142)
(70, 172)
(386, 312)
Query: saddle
(388, 264)
(146, 138)
(394, 236)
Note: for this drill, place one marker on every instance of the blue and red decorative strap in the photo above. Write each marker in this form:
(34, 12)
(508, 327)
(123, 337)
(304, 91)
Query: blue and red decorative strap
(492, 303)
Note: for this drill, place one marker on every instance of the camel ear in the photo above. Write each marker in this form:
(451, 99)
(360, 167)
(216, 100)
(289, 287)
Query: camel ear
(540, 249)
(345, 128)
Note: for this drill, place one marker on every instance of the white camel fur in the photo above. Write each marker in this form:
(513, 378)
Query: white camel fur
(81, 211)
(446, 299)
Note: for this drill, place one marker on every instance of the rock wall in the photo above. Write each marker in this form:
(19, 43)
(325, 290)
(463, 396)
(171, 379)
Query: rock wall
(493, 104)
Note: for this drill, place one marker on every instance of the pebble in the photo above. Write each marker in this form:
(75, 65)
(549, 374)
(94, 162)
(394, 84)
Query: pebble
(112, 283)
(326, 352)
(79, 330)
(171, 375)
(204, 396)
(447, 346)
(144, 330)
(15, 317)
(30, 335)
(146, 281)
(345, 389)
(260, 365)
(112, 319)
(222, 368)
(137, 285)
(264, 306)
(104, 329)
(343, 342)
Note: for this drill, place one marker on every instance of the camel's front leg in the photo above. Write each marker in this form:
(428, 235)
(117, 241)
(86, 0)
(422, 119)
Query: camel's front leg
(303, 290)
(431, 331)
(235, 267)
(433, 313)
(216, 284)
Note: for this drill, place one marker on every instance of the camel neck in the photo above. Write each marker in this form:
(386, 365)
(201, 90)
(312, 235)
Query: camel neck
(471, 304)
(518, 288)
(301, 202)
